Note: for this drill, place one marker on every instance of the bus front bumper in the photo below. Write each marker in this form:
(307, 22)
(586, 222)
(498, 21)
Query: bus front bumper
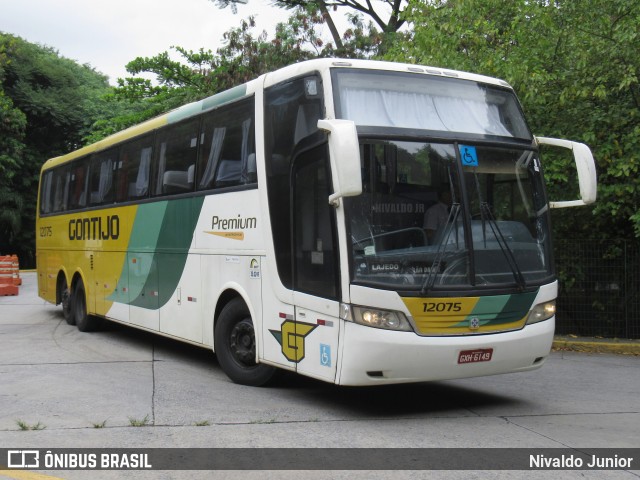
(373, 356)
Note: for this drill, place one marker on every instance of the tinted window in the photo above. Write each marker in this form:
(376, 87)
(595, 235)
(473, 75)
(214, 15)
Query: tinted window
(60, 189)
(227, 152)
(79, 181)
(135, 168)
(101, 181)
(292, 112)
(176, 150)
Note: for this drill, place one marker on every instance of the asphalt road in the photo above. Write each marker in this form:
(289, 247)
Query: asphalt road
(60, 388)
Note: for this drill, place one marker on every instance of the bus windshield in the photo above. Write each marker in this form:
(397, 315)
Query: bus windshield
(424, 222)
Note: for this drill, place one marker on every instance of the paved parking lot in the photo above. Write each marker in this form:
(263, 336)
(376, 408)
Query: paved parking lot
(60, 388)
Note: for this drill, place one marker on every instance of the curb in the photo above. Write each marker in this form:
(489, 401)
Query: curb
(596, 345)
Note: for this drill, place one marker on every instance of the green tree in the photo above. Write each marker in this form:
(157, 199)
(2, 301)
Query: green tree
(182, 75)
(382, 30)
(12, 128)
(47, 106)
(575, 67)
(190, 76)
(12, 132)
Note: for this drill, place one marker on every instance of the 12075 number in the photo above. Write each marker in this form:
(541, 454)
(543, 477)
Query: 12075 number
(440, 307)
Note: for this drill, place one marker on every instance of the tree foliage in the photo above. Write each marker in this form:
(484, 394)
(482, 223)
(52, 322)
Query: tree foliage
(576, 68)
(182, 76)
(47, 106)
(12, 129)
(385, 20)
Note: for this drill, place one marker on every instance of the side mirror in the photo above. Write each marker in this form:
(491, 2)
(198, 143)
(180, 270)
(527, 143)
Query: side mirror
(344, 152)
(586, 171)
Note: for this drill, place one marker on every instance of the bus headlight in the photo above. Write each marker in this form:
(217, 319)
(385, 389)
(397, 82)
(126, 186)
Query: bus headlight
(386, 319)
(542, 311)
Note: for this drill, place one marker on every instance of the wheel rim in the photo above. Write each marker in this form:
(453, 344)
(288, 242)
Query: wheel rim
(242, 343)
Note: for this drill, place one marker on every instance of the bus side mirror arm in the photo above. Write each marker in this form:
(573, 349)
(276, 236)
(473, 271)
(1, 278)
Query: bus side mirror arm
(344, 154)
(586, 171)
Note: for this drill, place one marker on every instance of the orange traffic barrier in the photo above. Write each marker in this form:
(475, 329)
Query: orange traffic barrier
(9, 275)
(6, 270)
(16, 270)
(6, 290)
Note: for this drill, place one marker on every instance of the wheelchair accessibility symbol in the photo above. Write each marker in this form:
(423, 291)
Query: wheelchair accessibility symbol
(325, 355)
(468, 155)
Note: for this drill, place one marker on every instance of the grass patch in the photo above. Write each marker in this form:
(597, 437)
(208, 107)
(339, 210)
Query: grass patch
(134, 422)
(204, 423)
(24, 426)
(263, 422)
(100, 425)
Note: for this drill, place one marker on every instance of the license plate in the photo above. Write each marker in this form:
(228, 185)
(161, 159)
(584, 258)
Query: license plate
(475, 356)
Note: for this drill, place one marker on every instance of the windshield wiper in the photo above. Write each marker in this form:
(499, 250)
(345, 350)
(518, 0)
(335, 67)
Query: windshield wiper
(485, 213)
(442, 246)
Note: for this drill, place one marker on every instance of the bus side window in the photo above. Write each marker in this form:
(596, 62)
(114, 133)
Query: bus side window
(177, 148)
(133, 177)
(102, 172)
(79, 181)
(61, 180)
(227, 151)
(45, 192)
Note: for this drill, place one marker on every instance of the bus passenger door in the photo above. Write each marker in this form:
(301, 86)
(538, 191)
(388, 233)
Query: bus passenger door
(314, 343)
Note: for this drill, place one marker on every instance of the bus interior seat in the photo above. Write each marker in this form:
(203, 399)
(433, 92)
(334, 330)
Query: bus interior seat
(228, 173)
(175, 181)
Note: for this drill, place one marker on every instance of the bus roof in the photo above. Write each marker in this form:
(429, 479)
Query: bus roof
(322, 64)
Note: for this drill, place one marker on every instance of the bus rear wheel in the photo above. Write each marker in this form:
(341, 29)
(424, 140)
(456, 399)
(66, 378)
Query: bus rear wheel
(235, 346)
(67, 310)
(84, 321)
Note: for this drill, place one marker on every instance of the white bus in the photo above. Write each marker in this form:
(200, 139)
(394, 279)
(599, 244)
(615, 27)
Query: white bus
(358, 222)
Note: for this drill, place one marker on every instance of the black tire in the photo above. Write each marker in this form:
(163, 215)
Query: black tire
(235, 346)
(83, 320)
(67, 305)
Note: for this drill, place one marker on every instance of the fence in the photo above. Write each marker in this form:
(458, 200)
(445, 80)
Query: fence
(599, 288)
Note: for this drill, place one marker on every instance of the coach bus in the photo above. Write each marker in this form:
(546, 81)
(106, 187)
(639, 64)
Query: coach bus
(288, 223)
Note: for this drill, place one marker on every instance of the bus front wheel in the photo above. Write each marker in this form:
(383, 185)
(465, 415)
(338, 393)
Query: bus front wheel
(235, 346)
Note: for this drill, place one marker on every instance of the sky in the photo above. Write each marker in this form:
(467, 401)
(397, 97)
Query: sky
(109, 34)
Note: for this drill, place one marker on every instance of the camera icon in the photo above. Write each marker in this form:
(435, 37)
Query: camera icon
(23, 458)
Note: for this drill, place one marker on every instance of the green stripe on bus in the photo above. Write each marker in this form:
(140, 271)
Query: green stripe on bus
(500, 309)
(195, 108)
(146, 227)
(224, 97)
(171, 249)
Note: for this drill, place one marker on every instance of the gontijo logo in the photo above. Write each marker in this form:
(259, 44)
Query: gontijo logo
(94, 228)
(232, 228)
